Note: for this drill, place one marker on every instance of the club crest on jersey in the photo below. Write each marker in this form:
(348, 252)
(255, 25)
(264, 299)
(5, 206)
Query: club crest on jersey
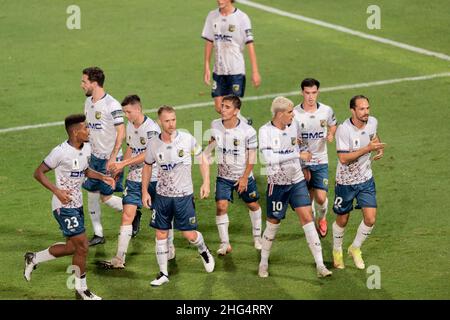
(142, 140)
(293, 140)
(75, 164)
(192, 220)
(302, 125)
(235, 142)
(323, 123)
(98, 115)
(160, 156)
(236, 87)
(231, 27)
(356, 144)
(181, 153)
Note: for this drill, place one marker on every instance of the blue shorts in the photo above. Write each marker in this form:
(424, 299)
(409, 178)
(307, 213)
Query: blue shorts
(179, 209)
(319, 176)
(70, 220)
(225, 187)
(278, 197)
(228, 84)
(364, 193)
(93, 185)
(133, 193)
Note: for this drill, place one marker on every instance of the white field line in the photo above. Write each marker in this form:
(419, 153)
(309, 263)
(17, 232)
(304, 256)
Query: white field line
(345, 30)
(254, 98)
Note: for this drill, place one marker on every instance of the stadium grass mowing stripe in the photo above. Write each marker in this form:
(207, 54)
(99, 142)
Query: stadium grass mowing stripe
(345, 30)
(254, 98)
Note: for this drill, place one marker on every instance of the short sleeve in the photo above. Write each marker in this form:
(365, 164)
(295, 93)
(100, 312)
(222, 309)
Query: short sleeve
(246, 27)
(116, 113)
(252, 140)
(149, 157)
(208, 30)
(342, 139)
(54, 158)
(196, 149)
(331, 118)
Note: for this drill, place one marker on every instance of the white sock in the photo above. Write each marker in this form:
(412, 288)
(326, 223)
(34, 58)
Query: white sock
(255, 217)
(314, 242)
(338, 237)
(43, 256)
(361, 235)
(162, 253)
(115, 202)
(313, 208)
(170, 237)
(124, 239)
(95, 212)
(80, 282)
(267, 240)
(322, 209)
(222, 225)
(199, 243)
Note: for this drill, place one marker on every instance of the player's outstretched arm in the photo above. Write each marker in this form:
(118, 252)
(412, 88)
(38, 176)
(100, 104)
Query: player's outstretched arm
(90, 173)
(120, 130)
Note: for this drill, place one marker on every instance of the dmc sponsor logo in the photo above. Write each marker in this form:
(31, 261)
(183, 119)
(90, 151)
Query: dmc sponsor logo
(284, 151)
(222, 37)
(230, 151)
(312, 135)
(168, 167)
(137, 150)
(95, 126)
(76, 174)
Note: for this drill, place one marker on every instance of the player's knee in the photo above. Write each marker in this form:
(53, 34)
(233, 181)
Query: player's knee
(221, 207)
(369, 221)
(321, 198)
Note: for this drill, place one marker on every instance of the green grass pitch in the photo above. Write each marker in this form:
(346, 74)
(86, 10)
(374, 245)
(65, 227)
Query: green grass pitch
(153, 48)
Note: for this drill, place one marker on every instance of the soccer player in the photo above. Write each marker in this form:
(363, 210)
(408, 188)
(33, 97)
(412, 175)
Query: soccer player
(356, 138)
(171, 151)
(140, 130)
(105, 120)
(228, 30)
(286, 184)
(235, 144)
(317, 126)
(70, 162)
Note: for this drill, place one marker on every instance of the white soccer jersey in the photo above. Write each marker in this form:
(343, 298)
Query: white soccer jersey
(280, 152)
(175, 164)
(313, 131)
(348, 139)
(137, 140)
(232, 147)
(102, 117)
(69, 165)
(229, 35)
